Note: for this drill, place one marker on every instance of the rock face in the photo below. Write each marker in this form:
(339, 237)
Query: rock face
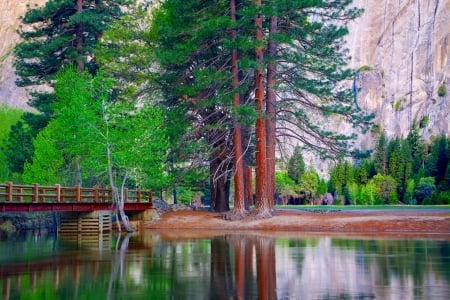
(11, 11)
(402, 48)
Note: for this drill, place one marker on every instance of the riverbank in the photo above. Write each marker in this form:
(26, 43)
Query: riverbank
(414, 221)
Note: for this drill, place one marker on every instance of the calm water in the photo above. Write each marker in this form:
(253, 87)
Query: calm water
(206, 265)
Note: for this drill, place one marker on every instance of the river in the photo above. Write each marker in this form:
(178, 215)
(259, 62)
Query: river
(224, 265)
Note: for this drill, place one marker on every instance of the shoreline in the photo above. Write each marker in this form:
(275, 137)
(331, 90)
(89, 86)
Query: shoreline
(374, 222)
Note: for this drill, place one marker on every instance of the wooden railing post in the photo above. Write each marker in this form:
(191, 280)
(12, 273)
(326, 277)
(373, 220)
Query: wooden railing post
(138, 195)
(35, 189)
(95, 192)
(78, 193)
(9, 191)
(58, 192)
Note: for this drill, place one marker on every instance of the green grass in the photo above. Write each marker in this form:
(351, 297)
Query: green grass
(361, 207)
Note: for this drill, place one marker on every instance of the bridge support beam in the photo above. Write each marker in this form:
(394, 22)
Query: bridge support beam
(85, 222)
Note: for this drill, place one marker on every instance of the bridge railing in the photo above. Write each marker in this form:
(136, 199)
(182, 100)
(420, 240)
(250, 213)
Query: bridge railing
(35, 193)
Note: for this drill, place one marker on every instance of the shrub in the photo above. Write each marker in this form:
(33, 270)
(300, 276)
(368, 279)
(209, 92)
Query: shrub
(442, 90)
(365, 68)
(424, 122)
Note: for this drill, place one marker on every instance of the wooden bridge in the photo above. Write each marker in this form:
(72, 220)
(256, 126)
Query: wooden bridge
(83, 209)
(36, 198)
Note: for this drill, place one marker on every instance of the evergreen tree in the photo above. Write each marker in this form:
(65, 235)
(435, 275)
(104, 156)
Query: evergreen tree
(193, 46)
(296, 165)
(437, 160)
(417, 148)
(380, 155)
(57, 34)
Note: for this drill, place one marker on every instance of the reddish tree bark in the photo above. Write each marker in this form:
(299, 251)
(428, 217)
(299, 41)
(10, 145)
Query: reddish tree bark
(238, 211)
(266, 268)
(270, 121)
(249, 186)
(262, 207)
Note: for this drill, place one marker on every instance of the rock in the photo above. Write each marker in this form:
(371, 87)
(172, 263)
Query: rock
(403, 48)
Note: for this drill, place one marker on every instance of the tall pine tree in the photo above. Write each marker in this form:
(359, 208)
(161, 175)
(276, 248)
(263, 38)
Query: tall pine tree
(57, 34)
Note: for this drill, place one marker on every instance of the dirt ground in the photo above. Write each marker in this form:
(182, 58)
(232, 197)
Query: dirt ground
(417, 222)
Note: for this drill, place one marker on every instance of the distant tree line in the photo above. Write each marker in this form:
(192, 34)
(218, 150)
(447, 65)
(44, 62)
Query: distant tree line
(400, 171)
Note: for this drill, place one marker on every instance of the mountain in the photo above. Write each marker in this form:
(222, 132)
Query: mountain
(401, 48)
(11, 10)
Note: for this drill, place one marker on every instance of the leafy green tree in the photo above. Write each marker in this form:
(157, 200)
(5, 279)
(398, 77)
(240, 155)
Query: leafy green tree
(385, 185)
(308, 184)
(369, 195)
(47, 161)
(353, 195)
(57, 34)
(115, 142)
(424, 189)
(409, 193)
(284, 186)
(9, 117)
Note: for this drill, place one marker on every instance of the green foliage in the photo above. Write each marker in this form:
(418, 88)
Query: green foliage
(365, 68)
(380, 155)
(308, 184)
(424, 121)
(369, 194)
(409, 193)
(284, 185)
(438, 159)
(54, 35)
(296, 165)
(88, 126)
(353, 194)
(47, 161)
(8, 116)
(385, 187)
(442, 90)
(398, 103)
(424, 190)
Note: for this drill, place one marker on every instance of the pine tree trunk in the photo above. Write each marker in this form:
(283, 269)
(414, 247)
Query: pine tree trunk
(271, 116)
(262, 207)
(238, 211)
(219, 186)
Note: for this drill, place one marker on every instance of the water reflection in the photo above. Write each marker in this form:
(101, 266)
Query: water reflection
(214, 265)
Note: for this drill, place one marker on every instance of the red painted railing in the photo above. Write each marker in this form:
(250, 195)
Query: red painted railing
(37, 195)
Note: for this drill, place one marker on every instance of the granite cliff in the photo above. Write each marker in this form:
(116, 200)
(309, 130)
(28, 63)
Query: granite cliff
(402, 50)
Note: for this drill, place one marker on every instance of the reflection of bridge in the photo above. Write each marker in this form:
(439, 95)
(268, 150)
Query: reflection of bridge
(76, 202)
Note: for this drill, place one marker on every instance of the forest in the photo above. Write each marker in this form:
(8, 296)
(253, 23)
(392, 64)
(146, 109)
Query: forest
(187, 97)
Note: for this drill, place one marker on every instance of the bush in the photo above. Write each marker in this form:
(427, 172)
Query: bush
(424, 190)
(424, 122)
(442, 90)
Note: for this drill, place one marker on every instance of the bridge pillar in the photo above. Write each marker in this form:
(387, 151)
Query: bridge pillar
(85, 222)
(145, 215)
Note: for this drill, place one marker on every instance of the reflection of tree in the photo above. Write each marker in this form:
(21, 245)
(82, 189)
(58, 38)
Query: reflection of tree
(245, 283)
(266, 267)
(118, 263)
(221, 271)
